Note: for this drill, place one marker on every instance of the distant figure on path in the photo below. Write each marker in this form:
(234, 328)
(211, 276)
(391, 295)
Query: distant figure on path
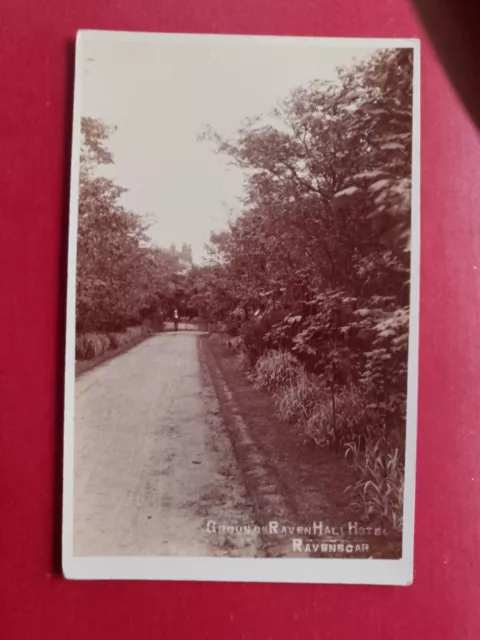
(175, 319)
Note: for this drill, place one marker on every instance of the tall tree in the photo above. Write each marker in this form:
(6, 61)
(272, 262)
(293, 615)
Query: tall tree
(118, 272)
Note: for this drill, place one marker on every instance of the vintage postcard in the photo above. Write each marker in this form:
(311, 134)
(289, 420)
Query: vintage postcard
(242, 339)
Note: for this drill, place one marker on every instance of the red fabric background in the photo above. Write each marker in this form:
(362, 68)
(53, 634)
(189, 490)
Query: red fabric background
(35, 121)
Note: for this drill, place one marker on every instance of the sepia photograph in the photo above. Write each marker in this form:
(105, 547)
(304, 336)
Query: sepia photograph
(242, 313)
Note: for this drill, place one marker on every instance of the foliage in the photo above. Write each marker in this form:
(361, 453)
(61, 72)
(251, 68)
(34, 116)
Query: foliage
(344, 419)
(340, 418)
(297, 400)
(92, 345)
(120, 277)
(325, 416)
(316, 262)
(379, 492)
(276, 369)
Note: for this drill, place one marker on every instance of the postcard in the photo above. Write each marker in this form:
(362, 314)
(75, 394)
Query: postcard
(242, 313)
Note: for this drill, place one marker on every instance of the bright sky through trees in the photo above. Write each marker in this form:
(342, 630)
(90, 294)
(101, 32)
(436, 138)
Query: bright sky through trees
(161, 96)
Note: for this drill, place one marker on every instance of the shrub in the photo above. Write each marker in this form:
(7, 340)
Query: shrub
(322, 416)
(296, 401)
(342, 416)
(116, 340)
(276, 369)
(92, 345)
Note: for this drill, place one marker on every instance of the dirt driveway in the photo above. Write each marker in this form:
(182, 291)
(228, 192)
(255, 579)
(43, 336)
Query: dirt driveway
(153, 464)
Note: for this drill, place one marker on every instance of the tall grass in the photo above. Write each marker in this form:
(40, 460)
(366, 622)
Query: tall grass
(92, 345)
(379, 492)
(276, 369)
(296, 400)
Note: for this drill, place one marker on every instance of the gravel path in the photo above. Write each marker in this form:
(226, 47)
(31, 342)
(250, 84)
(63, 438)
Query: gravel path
(153, 462)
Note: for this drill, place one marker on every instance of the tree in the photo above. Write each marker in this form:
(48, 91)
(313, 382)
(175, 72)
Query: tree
(118, 273)
(322, 235)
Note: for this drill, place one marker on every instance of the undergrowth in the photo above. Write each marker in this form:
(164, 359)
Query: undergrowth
(92, 345)
(341, 417)
(379, 492)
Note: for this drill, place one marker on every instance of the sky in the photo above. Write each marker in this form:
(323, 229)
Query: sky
(161, 95)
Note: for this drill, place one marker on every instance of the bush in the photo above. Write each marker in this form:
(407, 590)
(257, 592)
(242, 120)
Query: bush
(116, 340)
(92, 345)
(342, 417)
(276, 369)
(296, 401)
